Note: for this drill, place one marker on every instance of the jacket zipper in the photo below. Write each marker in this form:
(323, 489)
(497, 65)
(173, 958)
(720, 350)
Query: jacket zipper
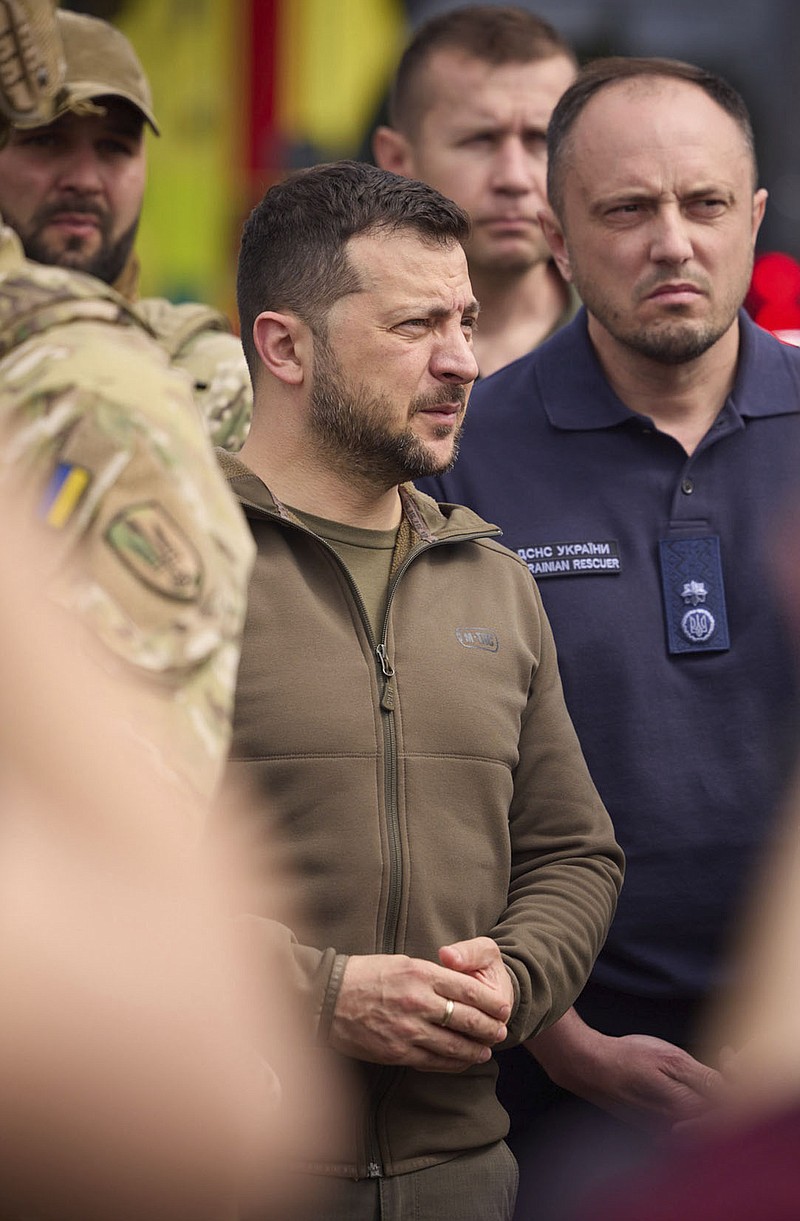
(387, 1076)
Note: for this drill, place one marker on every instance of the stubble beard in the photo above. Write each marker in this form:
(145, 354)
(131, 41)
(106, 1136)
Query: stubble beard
(672, 343)
(105, 263)
(351, 431)
(672, 339)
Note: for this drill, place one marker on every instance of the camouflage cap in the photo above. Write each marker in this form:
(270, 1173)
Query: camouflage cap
(31, 63)
(101, 63)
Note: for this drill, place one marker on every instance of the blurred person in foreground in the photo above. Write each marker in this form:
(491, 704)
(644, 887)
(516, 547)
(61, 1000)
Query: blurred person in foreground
(142, 1072)
(741, 1164)
(398, 709)
(469, 109)
(72, 188)
(638, 462)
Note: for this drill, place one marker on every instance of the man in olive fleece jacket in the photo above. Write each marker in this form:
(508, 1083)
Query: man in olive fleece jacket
(399, 706)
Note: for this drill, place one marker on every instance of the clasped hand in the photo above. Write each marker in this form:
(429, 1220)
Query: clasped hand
(391, 1008)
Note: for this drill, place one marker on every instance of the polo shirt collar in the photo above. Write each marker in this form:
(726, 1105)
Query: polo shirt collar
(768, 377)
(578, 398)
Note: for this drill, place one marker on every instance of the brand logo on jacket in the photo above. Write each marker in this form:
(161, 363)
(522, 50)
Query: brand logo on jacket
(478, 638)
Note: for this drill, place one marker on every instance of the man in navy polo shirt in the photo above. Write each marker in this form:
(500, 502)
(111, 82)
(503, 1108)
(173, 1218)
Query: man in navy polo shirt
(639, 462)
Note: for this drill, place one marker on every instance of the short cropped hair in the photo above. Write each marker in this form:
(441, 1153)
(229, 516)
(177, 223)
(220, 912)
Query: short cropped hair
(494, 34)
(293, 253)
(599, 74)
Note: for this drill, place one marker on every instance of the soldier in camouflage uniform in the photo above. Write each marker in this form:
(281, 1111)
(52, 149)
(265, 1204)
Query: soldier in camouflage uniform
(103, 443)
(72, 211)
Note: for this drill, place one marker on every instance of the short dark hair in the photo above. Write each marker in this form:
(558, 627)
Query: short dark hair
(495, 34)
(599, 74)
(293, 253)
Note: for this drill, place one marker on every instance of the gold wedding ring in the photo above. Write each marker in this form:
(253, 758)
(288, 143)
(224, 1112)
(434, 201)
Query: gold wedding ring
(448, 1013)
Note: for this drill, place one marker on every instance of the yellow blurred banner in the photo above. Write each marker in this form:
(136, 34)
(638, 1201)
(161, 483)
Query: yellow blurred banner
(336, 57)
(192, 54)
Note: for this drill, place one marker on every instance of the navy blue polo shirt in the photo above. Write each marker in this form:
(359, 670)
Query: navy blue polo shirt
(677, 668)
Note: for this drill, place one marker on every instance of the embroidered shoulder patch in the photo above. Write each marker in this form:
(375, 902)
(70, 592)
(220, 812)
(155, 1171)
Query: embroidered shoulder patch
(157, 551)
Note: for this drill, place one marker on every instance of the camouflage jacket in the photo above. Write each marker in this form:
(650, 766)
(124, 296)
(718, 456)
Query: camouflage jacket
(198, 339)
(103, 442)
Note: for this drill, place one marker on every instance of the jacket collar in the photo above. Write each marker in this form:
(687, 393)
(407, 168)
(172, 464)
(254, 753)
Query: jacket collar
(431, 521)
(577, 396)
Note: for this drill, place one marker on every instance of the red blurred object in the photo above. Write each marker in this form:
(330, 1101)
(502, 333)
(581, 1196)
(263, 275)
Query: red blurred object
(749, 1175)
(774, 297)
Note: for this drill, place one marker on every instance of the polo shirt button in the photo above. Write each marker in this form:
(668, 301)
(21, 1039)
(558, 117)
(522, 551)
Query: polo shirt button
(687, 486)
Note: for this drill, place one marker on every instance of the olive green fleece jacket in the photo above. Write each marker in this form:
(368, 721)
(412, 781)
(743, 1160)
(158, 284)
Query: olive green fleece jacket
(421, 789)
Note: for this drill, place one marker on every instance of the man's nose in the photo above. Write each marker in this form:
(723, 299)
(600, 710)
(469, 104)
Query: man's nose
(671, 241)
(515, 168)
(80, 170)
(453, 358)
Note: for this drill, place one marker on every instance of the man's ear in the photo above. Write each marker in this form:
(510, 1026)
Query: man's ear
(554, 236)
(759, 205)
(283, 344)
(392, 151)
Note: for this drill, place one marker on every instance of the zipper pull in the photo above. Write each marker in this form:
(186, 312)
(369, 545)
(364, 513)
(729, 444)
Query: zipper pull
(386, 667)
(387, 695)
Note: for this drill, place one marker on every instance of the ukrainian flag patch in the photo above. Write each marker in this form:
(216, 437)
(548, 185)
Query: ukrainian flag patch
(63, 493)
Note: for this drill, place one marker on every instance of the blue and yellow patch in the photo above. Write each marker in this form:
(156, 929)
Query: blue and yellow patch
(63, 493)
